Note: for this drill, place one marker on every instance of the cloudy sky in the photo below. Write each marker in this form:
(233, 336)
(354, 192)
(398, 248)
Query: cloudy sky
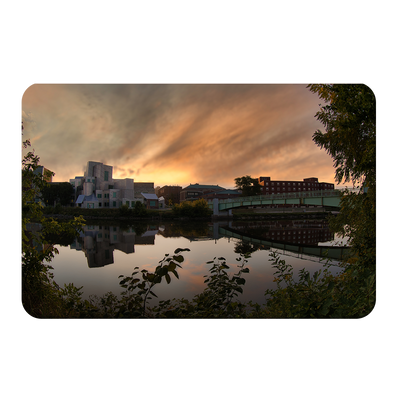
(177, 134)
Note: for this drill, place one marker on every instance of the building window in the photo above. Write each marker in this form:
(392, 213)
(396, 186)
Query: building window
(152, 203)
(114, 195)
(106, 175)
(114, 204)
(99, 195)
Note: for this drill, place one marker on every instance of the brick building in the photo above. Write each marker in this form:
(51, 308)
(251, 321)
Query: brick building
(170, 193)
(279, 187)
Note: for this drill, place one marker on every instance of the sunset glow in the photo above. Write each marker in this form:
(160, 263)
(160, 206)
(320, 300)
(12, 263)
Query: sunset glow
(177, 134)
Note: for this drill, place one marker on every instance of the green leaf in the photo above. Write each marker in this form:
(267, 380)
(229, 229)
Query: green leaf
(175, 273)
(179, 258)
(168, 278)
(171, 266)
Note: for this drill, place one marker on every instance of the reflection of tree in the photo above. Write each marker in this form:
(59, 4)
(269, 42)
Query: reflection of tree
(243, 247)
(186, 229)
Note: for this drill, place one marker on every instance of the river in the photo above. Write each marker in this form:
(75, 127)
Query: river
(103, 252)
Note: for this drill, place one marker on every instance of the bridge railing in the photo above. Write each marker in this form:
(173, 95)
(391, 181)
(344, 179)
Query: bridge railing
(290, 195)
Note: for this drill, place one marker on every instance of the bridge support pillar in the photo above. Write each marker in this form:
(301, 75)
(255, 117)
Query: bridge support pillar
(216, 210)
(215, 207)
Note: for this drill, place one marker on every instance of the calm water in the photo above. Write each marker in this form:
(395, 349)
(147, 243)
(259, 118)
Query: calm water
(103, 252)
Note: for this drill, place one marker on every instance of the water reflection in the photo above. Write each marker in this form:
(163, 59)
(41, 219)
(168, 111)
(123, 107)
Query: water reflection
(92, 262)
(98, 242)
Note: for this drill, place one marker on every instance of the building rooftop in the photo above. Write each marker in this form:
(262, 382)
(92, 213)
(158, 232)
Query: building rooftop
(149, 196)
(197, 186)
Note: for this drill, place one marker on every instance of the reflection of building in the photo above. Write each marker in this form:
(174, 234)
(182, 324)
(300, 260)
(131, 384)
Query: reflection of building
(99, 242)
(308, 184)
(290, 231)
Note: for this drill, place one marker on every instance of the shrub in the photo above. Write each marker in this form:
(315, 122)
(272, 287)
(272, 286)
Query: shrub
(192, 209)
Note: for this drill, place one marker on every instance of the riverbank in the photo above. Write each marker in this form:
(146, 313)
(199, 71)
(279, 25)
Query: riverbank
(66, 213)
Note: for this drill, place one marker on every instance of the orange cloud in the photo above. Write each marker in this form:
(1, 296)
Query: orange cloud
(177, 134)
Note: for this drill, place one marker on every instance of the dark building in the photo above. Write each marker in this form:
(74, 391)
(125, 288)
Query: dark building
(222, 194)
(196, 191)
(169, 193)
(279, 187)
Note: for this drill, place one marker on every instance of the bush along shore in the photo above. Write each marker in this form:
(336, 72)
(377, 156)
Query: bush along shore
(179, 212)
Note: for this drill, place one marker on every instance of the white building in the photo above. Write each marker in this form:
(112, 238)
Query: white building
(98, 189)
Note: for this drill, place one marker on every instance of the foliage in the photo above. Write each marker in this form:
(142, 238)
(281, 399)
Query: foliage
(248, 185)
(350, 138)
(139, 291)
(140, 209)
(60, 193)
(216, 301)
(192, 209)
(40, 295)
(349, 118)
(313, 296)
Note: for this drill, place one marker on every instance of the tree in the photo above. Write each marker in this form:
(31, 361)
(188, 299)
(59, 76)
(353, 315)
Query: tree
(248, 185)
(350, 138)
(195, 208)
(61, 193)
(41, 296)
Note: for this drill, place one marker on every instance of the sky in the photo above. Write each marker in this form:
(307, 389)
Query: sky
(177, 134)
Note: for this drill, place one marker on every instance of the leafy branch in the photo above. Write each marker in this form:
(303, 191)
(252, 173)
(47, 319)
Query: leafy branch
(139, 291)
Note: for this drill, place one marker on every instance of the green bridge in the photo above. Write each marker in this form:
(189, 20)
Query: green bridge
(329, 198)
